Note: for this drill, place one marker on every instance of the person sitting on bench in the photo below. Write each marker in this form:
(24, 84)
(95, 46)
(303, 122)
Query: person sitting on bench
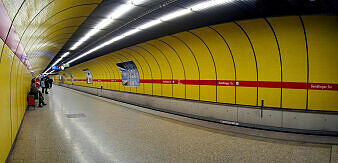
(37, 94)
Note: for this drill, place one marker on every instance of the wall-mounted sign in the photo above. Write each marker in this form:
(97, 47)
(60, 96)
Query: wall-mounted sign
(71, 77)
(65, 77)
(55, 67)
(61, 78)
(65, 65)
(89, 76)
(129, 73)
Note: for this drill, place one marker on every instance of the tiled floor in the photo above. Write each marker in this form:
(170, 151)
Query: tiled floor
(107, 132)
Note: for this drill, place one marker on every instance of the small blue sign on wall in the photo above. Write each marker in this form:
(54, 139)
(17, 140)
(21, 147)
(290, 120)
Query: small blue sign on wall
(55, 67)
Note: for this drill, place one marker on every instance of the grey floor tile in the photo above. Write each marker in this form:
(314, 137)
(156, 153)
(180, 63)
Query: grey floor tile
(110, 133)
(334, 154)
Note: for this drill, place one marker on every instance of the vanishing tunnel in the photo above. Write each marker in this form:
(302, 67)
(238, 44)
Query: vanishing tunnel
(258, 64)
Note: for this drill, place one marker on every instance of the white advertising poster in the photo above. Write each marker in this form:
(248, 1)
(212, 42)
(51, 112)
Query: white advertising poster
(64, 77)
(130, 76)
(71, 77)
(89, 76)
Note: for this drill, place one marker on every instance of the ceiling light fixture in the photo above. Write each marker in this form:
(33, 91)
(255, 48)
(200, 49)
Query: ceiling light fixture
(56, 62)
(65, 55)
(47, 70)
(209, 4)
(150, 24)
(175, 14)
(131, 32)
(179, 13)
(115, 14)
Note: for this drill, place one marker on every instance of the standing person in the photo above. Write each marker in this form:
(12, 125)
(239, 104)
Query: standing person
(37, 94)
(46, 84)
(37, 82)
(43, 85)
(50, 83)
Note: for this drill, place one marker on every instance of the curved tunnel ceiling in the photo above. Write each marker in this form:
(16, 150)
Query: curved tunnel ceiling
(147, 11)
(47, 29)
(40, 26)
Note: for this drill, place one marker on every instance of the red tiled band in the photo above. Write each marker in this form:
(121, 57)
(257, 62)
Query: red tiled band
(101, 80)
(263, 84)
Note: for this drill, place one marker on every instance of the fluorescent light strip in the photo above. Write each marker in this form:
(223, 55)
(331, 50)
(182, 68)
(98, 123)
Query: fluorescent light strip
(167, 17)
(57, 61)
(47, 70)
(175, 14)
(115, 14)
(150, 24)
(131, 32)
(65, 55)
(209, 4)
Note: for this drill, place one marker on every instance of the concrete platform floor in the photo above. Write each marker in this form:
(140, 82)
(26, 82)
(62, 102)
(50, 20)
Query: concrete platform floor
(76, 127)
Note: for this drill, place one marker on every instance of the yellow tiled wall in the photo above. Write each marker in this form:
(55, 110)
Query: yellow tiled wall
(40, 28)
(299, 52)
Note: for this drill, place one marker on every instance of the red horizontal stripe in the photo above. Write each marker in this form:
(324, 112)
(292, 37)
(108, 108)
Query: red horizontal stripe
(208, 82)
(294, 85)
(268, 84)
(323, 86)
(246, 83)
(192, 82)
(115, 80)
(157, 81)
(80, 79)
(225, 83)
(105, 80)
(146, 81)
(179, 81)
(167, 82)
(261, 84)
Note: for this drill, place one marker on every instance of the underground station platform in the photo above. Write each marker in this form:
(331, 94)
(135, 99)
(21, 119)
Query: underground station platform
(101, 81)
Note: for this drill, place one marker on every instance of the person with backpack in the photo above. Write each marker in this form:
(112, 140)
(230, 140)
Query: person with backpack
(44, 85)
(37, 94)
